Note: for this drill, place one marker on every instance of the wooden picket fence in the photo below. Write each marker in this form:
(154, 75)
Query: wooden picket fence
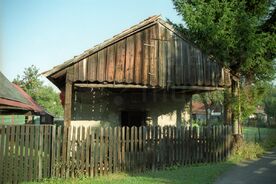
(30, 153)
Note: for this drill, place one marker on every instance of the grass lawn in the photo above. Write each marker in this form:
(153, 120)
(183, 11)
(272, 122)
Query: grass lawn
(189, 175)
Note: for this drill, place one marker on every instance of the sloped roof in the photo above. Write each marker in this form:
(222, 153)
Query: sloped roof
(9, 91)
(132, 30)
(12, 97)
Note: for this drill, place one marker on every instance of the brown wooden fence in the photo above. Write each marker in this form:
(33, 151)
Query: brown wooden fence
(36, 152)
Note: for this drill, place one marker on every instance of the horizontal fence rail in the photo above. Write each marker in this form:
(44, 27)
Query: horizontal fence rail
(30, 153)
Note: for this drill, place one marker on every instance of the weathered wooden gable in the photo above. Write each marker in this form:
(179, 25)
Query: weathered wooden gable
(152, 54)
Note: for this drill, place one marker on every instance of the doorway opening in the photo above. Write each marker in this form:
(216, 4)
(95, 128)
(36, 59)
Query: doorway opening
(133, 118)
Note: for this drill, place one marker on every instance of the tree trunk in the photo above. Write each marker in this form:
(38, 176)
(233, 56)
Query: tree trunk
(227, 112)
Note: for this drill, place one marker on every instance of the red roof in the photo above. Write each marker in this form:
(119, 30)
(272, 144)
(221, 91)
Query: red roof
(31, 106)
(198, 108)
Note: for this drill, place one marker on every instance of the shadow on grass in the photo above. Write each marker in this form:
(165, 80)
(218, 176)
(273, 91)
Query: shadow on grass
(196, 174)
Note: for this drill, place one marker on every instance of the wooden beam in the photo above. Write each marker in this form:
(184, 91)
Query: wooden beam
(68, 97)
(82, 85)
(198, 88)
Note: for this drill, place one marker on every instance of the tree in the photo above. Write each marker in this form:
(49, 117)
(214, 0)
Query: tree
(238, 34)
(44, 95)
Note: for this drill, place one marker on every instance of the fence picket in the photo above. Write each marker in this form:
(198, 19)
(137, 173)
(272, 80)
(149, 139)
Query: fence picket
(47, 150)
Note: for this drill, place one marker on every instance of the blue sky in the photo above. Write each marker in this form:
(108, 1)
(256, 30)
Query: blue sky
(46, 33)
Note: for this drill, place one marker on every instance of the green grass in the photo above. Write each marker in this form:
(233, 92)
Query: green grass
(199, 174)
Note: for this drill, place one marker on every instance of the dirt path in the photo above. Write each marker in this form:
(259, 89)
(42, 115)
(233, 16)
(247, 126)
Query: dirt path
(261, 171)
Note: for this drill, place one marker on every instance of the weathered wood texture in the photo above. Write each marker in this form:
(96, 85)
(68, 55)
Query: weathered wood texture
(154, 56)
(30, 153)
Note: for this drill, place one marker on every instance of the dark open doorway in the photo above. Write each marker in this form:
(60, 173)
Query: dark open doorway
(133, 118)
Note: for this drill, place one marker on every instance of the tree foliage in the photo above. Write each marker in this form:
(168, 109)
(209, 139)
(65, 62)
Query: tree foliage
(235, 32)
(44, 95)
(240, 34)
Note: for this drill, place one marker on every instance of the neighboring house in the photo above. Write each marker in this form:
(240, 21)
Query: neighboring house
(17, 107)
(258, 118)
(144, 75)
(199, 112)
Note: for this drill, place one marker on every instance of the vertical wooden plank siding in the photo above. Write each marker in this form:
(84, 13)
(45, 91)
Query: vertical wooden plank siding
(92, 67)
(120, 61)
(101, 67)
(130, 56)
(138, 57)
(110, 63)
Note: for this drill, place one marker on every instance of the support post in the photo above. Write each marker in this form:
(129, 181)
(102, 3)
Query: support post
(68, 97)
(237, 113)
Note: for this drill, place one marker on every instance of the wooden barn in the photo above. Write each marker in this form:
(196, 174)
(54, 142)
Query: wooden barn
(144, 75)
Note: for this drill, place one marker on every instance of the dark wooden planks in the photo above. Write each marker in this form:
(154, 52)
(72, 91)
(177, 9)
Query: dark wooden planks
(110, 63)
(120, 61)
(130, 56)
(92, 67)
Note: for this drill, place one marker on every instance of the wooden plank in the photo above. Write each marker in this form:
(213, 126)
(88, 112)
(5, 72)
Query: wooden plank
(130, 56)
(138, 57)
(53, 149)
(7, 156)
(92, 67)
(135, 147)
(78, 152)
(115, 151)
(73, 148)
(101, 67)
(144, 147)
(169, 60)
(68, 151)
(45, 152)
(110, 63)
(154, 146)
(92, 151)
(153, 56)
(31, 164)
(146, 56)
(123, 148)
(21, 158)
(75, 72)
(58, 145)
(82, 146)
(140, 148)
(68, 98)
(161, 56)
(110, 150)
(120, 61)
(87, 149)
(101, 150)
(80, 70)
(96, 151)
(11, 164)
(16, 155)
(106, 137)
(132, 164)
(119, 149)
(127, 149)
(26, 155)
